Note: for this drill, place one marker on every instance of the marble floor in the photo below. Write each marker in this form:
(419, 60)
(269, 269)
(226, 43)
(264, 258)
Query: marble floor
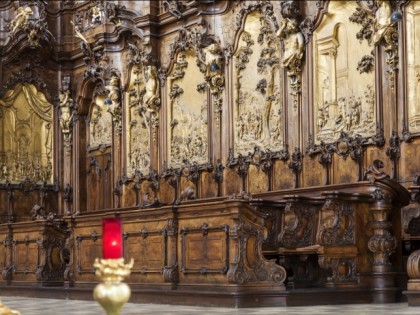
(30, 306)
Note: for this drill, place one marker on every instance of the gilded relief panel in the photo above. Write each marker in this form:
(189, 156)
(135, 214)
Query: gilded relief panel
(188, 113)
(100, 127)
(137, 124)
(413, 65)
(257, 88)
(26, 145)
(344, 93)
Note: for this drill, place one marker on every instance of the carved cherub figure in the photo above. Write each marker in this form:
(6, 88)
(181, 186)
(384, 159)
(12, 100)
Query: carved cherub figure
(151, 98)
(21, 19)
(293, 42)
(66, 116)
(382, 22)
(96, 15)
(213, 56)
(114, 91)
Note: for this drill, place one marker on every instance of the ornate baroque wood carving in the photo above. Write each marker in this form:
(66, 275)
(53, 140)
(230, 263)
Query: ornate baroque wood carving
(263, 160)
(246, 268)
(188, 111)
(344, 100)
(258, 107)
(210, 246)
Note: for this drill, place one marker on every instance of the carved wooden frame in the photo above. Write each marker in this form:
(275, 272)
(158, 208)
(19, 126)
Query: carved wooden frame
(25, 241)
(80, 238)
(204, 230)
(356, 145)
(144, 233)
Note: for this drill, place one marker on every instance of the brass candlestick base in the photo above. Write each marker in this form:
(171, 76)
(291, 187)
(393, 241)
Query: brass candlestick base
(112, 294)
(4, 310)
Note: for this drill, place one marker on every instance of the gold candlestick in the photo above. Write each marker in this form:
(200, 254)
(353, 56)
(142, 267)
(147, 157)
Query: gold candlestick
(112, 294)
(4, 310)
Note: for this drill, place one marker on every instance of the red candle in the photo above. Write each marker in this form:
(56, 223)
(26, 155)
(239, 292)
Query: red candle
(112, 238)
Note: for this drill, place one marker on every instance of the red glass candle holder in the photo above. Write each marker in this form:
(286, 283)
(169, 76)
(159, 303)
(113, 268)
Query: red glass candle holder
(112, 240)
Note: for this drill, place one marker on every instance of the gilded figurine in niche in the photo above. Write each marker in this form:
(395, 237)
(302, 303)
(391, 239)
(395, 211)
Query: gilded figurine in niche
(151, 98)
(382, 22)
(213, 60)
(293, 42)
(114, 96)
(21, 19)
(66, 115)
(96, 15)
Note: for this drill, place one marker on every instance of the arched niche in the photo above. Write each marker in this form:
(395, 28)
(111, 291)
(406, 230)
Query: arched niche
(138, 121)
(413, 65)
(344, 92)
(27, 133)
(257, 87)
(187, 112)
(100, 122)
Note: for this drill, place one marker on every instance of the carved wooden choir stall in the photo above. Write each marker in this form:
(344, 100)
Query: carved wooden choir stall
(259, 153)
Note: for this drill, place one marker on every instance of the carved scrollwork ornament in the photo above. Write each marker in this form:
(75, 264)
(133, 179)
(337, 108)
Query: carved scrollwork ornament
(240, 272)
(296, 165)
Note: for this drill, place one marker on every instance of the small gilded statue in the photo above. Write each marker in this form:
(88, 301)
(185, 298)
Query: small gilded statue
(382, 22)
(293, 42)
(21, 19)
(151, 98)
(213, 60)
(114, 90)
(66, 116)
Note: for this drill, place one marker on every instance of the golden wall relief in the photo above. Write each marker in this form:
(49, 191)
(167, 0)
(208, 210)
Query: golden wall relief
(142, 116)
(100, 126)
(257, 88)
(188, 112)
(344, 96)
(26, 131)
(413, 65)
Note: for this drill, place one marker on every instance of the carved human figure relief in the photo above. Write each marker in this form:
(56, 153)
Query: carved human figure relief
(188, 112)
(66, 115)
(344, 98)
(382, 22)
(142, 104)
(293, 42)
(21, 19)
(213, 60)
(413, 64)
(151, 99)
(258, 103)
(100, 127)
